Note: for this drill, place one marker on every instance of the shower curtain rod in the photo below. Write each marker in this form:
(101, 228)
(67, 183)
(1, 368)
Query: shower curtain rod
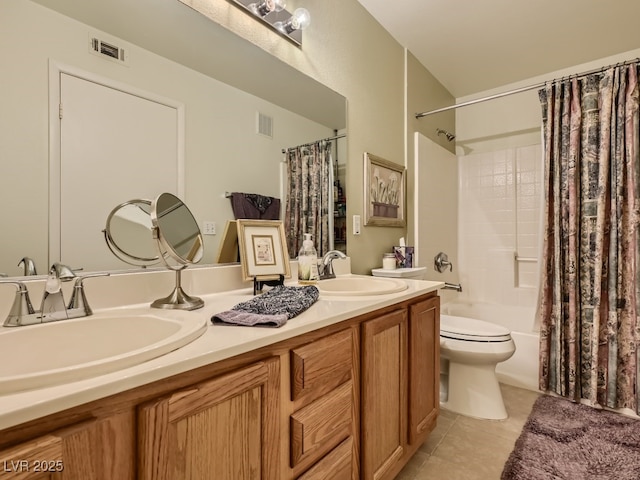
(335, 137)
(522, 89)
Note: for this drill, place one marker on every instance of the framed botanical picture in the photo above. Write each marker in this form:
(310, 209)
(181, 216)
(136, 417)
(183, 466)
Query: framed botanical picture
(384, 192)
(263, 249)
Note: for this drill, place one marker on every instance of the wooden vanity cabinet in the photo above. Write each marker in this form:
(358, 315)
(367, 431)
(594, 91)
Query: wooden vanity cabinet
(90, 450)
(400, 385)
(223, 428)
(424, 368)
(324, 401)
(349, 401)
(384, 393)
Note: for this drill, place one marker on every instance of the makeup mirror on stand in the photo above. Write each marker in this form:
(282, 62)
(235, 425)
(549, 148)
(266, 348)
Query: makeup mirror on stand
(180, 244)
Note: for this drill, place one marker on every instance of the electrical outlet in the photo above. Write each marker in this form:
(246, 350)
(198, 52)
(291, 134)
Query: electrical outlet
(208, 228)
(356, 224)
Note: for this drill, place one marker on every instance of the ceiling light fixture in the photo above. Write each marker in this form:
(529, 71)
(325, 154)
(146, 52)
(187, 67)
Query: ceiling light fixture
(273, 13)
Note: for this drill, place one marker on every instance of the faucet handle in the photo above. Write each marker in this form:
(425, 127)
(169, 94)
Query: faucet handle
(21, 305)
(78, 297)
(441, 262)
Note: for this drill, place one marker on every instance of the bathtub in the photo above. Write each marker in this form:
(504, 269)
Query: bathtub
(521, 370)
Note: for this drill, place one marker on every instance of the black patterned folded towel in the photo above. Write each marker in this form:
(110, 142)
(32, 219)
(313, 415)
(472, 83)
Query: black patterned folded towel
(271, 309)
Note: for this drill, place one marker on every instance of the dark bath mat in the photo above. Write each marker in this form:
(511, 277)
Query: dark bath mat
(562, 440)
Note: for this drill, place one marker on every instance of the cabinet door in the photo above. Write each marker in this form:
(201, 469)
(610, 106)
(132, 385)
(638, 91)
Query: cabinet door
(424, 368)
(226, 428)
(384, 397)
(70, 454)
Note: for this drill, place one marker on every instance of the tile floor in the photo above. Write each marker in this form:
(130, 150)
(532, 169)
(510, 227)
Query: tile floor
(464, 448)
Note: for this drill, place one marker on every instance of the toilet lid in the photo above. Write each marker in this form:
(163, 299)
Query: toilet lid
(472, 329)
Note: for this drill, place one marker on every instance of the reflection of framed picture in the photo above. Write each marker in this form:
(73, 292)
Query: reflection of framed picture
(384, 192)
(228, 251)
(263, 249)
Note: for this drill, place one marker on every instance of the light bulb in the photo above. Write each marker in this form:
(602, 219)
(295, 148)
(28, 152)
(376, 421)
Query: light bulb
(267, 6)
(300, 20)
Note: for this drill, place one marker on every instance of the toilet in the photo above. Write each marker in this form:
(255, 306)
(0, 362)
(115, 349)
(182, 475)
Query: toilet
(470, 349)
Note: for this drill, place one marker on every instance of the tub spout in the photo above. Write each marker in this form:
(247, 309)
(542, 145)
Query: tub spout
(452, 286)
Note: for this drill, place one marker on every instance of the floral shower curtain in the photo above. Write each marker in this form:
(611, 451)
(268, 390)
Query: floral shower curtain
(308, 197)
(589, 295)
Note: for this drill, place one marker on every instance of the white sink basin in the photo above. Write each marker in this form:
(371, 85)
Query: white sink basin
(350, 286)
(48, 354)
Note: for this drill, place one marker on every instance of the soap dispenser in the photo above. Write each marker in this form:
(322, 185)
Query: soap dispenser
(308, 262)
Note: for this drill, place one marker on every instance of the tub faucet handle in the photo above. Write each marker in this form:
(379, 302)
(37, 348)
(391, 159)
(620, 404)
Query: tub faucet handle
(441, 262)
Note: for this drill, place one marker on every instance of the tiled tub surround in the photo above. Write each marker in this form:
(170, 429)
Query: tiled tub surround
(499, 218)
(221, 288)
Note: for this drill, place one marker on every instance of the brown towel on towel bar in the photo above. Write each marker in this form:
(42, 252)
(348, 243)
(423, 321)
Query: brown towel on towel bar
(255, 206)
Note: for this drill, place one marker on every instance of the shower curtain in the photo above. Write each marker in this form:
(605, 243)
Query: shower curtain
(308, 200)
(589, 295)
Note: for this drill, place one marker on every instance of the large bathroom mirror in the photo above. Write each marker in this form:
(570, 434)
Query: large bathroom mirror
(225, 88)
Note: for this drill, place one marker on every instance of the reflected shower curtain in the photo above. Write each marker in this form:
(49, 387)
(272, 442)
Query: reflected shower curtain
(589, 295)
(308, 196)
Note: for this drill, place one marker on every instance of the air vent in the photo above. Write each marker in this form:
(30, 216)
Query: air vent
(265, 125)
(108, 50)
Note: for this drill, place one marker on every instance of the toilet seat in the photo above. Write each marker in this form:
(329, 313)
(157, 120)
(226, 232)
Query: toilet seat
(472, 330)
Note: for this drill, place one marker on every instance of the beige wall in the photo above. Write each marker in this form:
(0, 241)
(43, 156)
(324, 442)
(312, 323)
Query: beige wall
(424, 92)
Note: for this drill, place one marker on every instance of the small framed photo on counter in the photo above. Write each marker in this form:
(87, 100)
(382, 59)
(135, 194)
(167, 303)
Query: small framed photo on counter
(263, 249)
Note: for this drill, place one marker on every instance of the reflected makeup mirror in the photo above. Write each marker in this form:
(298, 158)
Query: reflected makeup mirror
(179, 243)
(128, 233)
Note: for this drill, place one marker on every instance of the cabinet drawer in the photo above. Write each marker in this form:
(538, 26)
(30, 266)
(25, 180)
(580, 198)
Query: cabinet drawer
(336, 465)
(319, 367)
(321, 425)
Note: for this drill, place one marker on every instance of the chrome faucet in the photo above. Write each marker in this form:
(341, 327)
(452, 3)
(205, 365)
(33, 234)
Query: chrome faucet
(326, 265)
(29, 266)
(52, 306)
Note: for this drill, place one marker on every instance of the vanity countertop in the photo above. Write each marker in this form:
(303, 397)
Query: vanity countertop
(219, 342)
